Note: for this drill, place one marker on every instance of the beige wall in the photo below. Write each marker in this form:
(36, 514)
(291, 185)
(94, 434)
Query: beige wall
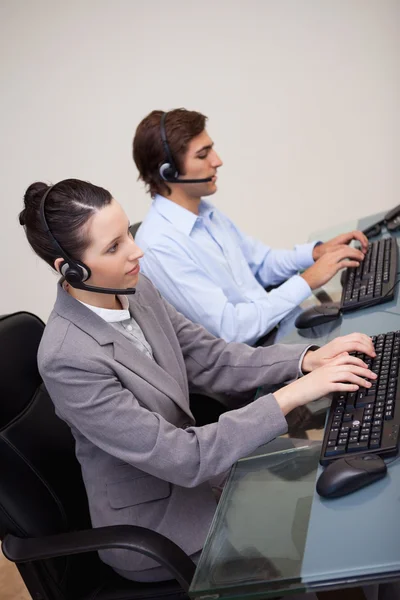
(302, 98)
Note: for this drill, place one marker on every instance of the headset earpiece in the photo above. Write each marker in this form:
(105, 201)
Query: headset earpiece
(74, 272)
(168, 172)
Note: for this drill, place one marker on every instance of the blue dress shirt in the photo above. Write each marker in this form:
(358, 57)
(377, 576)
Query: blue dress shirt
(215, 275)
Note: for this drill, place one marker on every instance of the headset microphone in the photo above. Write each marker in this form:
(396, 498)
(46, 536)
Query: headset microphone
(75, 272)
(168, 170)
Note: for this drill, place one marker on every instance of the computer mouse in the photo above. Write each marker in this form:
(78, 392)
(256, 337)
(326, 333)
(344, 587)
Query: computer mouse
(346, 475)
(317, 315)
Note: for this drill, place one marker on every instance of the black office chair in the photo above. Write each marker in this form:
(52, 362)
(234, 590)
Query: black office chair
(44, 517)
(133, 228)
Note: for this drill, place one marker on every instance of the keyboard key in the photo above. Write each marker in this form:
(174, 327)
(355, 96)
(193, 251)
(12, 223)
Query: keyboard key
(357, 446)
(334, 451)
(366, 428)
(374, 444)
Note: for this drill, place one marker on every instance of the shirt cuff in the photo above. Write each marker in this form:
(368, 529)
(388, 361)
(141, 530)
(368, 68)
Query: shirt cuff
(304, 257)
(296, 289)
(311, 347)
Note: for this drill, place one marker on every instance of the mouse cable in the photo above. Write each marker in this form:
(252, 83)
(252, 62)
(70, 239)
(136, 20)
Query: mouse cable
(379, 300)
(390, 462)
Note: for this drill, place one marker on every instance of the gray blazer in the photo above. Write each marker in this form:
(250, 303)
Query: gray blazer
(144, 462)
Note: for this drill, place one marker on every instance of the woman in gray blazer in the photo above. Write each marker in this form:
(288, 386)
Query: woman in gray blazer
(119, 367)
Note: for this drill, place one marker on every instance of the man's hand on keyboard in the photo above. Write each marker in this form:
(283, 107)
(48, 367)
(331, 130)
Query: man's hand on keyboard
(337, 375)
(330, 263)
(340, 346)
(339, 241)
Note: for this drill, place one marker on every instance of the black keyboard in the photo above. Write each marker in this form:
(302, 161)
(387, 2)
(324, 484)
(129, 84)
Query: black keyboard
(367, 420)
(373, 281)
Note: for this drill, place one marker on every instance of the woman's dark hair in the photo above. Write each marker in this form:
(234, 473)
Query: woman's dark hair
(68, 207)
(181, 126)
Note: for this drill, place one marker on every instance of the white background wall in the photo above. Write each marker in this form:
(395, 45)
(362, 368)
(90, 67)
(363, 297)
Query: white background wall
(303, 101)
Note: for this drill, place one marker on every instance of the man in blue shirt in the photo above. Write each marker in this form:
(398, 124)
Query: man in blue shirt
(198, 259)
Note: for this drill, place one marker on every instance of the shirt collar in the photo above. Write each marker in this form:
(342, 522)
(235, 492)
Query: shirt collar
(180, 217)
(108, 314)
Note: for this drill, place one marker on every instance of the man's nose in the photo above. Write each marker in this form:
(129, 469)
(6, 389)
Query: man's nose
(216, 161)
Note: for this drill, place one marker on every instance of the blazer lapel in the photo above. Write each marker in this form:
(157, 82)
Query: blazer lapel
(147, 369)
(163, 373)
(164, 355)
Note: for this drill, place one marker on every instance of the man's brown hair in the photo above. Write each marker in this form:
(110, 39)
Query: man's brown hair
(181, 126)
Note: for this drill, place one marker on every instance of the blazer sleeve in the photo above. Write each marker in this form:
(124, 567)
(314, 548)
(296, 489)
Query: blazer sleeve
(88, 396)
(217, 366)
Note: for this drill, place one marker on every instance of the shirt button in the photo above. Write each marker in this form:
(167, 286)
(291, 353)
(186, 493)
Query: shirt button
(129, 328)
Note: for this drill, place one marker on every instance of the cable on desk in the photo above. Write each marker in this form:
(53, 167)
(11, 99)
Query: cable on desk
(388, 312)
(379, 300)
(389, 462)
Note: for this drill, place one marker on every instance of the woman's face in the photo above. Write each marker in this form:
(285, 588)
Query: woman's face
(112, 255)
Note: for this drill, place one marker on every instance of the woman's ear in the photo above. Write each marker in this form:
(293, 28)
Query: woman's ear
(57, 264)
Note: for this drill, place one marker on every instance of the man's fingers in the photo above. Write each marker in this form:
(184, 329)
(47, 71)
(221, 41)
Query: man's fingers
(359, 235)
(346, 238)
(349, 252)
(343, 264)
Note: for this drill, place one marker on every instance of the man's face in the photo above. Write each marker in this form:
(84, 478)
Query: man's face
(201, 161)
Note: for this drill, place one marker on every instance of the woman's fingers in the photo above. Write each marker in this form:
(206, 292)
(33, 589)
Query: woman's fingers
(345, 387)
(346, 359)
(354, 364)
(354, 374)
(358, 342)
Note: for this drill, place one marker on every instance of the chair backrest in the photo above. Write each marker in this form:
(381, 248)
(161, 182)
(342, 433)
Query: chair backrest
(133, 228)
(41, 487)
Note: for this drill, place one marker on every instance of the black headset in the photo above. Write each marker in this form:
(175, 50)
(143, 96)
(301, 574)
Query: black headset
(75, 272)
(168, 170)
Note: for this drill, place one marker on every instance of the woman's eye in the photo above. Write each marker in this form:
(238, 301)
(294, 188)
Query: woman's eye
(113, 249)
(202, 156)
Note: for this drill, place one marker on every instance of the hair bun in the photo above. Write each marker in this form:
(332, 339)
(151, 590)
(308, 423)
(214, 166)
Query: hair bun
(32, 199)
(34, 193)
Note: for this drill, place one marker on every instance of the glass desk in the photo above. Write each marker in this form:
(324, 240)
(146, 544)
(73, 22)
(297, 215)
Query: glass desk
(272, 535)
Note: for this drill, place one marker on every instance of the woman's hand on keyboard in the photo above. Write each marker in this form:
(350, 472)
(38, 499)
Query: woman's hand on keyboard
(340, 374)
(354, 342)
